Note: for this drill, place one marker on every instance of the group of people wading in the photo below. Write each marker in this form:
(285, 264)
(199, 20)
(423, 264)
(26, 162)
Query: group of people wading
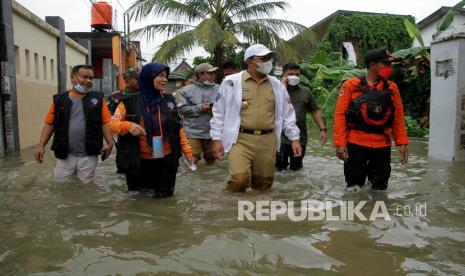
(258, 121)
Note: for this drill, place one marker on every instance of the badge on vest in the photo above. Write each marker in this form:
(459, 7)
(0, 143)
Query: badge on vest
(157, 147)
(94, 101)
(170, 105)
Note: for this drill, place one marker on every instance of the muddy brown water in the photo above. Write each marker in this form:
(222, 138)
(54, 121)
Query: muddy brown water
(53, 228)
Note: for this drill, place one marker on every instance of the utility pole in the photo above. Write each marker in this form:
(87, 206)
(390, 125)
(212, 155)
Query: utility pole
(9, 131)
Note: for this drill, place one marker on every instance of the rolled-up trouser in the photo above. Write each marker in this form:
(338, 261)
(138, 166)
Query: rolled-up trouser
(251, 162)
(81, 166)
(286, 153)
(200, 146)
(363, 162)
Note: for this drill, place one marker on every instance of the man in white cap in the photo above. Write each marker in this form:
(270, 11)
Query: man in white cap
(250, 111)
(195, 105)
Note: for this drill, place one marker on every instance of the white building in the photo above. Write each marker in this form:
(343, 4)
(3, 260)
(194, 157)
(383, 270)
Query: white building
(428, 25)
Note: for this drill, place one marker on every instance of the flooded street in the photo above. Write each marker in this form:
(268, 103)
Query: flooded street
(98, 229)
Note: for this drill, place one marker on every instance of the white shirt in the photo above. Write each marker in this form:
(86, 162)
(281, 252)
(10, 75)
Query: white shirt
(226, 119)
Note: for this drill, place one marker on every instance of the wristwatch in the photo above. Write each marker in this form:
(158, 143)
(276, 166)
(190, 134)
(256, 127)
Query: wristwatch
(323, 129)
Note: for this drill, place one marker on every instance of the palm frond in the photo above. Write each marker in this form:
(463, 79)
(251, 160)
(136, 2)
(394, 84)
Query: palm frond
(151, 30)
(210, 35)
(176, 46)
(164, 8)
(253, 32)
(259, 10)
(234, 6)
(277, 25)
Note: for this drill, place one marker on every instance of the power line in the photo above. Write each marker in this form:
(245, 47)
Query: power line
(119, 3)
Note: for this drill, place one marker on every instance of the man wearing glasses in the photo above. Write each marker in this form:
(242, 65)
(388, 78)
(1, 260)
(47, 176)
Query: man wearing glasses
(250, 111)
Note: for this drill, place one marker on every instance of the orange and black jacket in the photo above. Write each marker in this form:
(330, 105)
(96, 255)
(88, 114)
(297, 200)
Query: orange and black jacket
(343, 135)
(131, 149)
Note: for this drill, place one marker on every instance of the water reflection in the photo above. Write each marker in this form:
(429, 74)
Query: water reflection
(57, 228)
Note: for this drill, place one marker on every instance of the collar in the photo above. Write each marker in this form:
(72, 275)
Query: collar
(246, 76)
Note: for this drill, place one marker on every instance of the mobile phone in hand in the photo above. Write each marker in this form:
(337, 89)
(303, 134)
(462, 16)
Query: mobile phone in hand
(103, 156)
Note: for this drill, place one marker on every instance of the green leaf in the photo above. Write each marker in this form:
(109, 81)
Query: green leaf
(414, 31)
(448, 18)
(411, 52)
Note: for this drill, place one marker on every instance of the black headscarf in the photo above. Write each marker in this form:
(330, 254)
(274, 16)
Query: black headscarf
(150, 97)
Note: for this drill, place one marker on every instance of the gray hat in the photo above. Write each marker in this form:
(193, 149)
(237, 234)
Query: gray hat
(205, 67)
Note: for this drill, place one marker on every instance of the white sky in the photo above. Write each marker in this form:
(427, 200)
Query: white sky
(76, 13)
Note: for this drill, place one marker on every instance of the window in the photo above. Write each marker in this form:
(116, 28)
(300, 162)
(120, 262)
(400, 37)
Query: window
(44, 63)
(17, 61)
(52, 69)
(36, 65)
(28, 63)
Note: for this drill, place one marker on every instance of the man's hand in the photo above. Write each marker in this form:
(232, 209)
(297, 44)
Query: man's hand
(284, 80)
(106, 151)
(39, 154)
(136, 130)
(205, 107)
(323, 137)
(403, 154)
(218, 149)
(342, 153)
(296, 148)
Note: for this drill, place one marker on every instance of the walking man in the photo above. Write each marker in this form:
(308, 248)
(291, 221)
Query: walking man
(250, 111)
(303, 101)
(195, 106)
(78, 120)
(369, 113)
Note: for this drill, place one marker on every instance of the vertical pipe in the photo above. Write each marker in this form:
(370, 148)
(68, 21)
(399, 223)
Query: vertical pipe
(9, 130)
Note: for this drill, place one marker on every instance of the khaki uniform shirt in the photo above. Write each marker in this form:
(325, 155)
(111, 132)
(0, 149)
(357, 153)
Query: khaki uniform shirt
(258, 103)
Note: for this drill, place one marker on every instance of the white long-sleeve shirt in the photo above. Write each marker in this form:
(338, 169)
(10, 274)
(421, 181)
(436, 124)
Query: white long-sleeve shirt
(226, 119)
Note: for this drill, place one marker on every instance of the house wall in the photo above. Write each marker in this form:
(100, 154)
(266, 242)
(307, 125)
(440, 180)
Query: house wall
(428, 31)
(36, 51)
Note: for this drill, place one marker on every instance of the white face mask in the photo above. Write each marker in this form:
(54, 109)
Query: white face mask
(293, 80)
(81, 89)
(265, 67)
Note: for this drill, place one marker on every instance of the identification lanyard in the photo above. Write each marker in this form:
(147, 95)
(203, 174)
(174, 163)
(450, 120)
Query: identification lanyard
(157, 141)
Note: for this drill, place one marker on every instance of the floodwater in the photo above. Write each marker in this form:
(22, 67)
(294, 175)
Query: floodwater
(54, 228)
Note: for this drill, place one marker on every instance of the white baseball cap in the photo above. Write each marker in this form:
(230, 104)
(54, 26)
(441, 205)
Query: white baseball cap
(257, 50)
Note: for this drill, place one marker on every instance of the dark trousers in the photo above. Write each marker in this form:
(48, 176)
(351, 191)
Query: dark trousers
(363, 162)
(285, 154)
(158, 175)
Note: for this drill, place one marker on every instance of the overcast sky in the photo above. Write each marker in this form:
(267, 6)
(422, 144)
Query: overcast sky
(76, 13)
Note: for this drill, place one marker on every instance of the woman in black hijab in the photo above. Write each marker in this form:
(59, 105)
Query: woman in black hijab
(150, 135)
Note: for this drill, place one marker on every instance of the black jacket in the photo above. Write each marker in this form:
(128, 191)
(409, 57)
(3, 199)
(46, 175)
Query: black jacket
(92, 104)
(128, 148)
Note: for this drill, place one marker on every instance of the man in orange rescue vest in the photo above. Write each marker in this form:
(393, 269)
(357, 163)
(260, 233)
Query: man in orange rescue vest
(369, 112)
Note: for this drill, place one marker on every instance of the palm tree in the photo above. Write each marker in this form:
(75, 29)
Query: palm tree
(213, 25)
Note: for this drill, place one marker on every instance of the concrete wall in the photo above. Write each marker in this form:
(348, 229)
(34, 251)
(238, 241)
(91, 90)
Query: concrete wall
(36, 70)
(73, 57)
(447, 116)
(428, 31)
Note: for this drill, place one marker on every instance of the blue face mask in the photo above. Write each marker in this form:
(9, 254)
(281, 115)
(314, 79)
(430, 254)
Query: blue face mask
(79, 88)
(208, 83)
